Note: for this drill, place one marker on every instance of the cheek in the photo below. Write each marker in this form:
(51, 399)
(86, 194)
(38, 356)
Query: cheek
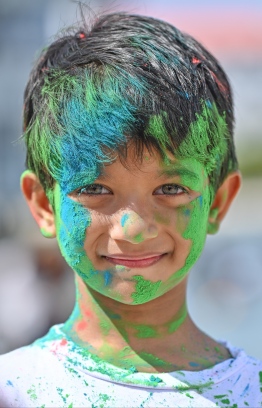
(175, 219)
(192, 223)
(72, 223)
(183, 218)
(196, 228)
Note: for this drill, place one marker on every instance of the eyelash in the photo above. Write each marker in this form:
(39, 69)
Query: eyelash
(177, 187)
(82, 190)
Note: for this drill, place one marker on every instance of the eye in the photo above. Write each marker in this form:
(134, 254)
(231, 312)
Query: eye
(170, 189)
(93, 189)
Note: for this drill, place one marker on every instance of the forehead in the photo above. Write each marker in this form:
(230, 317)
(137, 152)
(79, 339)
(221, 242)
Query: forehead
(150, 167)
(89, 150)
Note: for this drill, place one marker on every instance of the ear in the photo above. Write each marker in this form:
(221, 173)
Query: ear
(222, 201)
(38, 203)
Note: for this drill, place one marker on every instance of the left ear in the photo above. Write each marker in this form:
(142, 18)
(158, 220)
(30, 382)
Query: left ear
(222, 201)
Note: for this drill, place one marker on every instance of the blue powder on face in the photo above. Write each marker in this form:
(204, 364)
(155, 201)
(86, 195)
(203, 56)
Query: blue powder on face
(187, 212)
(124, 219)
(200, 199)
(72, 222)
(107, 278)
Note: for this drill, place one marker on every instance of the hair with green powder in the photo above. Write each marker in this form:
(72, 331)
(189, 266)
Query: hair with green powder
(126, 79)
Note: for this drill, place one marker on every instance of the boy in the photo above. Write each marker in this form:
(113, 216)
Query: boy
(131, 163)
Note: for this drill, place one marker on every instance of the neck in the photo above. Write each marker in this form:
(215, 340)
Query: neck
(156, 336)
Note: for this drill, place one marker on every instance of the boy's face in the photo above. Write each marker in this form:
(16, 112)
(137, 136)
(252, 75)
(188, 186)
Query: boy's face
(134, 232)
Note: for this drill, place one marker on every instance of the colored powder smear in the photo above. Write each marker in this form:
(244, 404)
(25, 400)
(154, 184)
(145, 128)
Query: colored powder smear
(260, 380)
(145, 290)
(124, 219)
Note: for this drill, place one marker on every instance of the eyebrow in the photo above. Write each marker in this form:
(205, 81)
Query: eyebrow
(103, 176)
(179, 171)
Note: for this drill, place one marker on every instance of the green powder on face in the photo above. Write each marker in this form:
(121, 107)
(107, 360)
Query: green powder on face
(161, 219)
(120, 268)
(201, 153)
(139, 238)
(127, 222)
(206, 140)
(72, 222)
(195, 231)
(145, 290)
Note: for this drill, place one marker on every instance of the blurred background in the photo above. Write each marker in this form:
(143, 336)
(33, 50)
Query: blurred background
(225, 286)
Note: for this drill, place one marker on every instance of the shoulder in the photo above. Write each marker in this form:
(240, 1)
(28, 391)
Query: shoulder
(239, 380)
(29, 371)
(30, 359)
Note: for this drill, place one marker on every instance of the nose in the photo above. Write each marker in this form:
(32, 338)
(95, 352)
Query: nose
(131, 227)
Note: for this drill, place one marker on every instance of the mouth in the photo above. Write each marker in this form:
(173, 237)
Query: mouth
(135, 262)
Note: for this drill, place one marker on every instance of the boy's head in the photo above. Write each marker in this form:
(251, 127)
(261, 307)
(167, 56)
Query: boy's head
(152, 85)
(129, 129)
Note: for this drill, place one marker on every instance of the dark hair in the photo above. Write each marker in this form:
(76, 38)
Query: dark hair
(127, 78)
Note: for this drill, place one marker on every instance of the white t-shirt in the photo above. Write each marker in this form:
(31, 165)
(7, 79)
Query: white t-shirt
(54, 372)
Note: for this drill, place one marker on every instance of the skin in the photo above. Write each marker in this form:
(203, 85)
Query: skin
(89, 227)
(136, 312)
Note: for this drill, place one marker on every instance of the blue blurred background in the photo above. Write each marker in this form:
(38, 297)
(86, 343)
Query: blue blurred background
(225, 286)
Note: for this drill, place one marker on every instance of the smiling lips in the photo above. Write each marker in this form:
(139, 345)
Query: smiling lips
(135, 262)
